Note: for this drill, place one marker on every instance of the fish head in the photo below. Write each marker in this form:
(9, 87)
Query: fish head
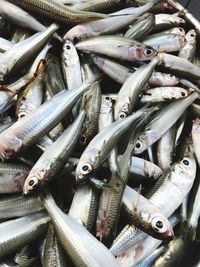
(186, 170)
(34, 181)
(78, 33)
(191, 36)
(122, 108)
(143, 141)
(87, 165)
(161, 227)
(179, 31)
(143, 52)
(170, 78)
(69, 52)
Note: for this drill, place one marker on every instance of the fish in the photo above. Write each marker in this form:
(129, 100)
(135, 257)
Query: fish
(12, 177)
(23, 134)
(156, 128)
(47, 166)
(20, 53)
(128, 95)
(56, 11)
(101, 145)
(85, 250)
(18, 232)
(117, 47)
(141, 27)
(105, 26)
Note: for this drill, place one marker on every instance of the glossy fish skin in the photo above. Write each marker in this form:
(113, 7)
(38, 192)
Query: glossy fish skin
(128, 95)
(179, 66)
(111, 196)
(17, 233)
(47, 166)
(141, 27)
(189, 50)
(143, 168)
(161, 94)
(165, 149)
(35, 125)
(121, 73)
(129, 236)
(54, 80)
(71, 66)
(91, 101)
(166, 43)
(81, 246)
(57, 11)
(18, 206)
(84, 206)
(141, 250)
(20, 53)
(23, 18)
(163, 79)
(31, 97)
(146, 216)
(101, 145)
(105, 26)
(12, 177)
(54, 255)
(31, 73)
(113, 69)
(156, 128)
(166, 21)
(176, 183)
(117, 47)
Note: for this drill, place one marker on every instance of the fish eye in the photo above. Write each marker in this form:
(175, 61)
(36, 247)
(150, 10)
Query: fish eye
(186, 162)
(68, 47)
(158, 225)
(75, 39)
(148, 52)
(138, 145)
(192, 35)
(86, 168)
(122, 115)
(107, 98)
(183, 93)
(32, 183)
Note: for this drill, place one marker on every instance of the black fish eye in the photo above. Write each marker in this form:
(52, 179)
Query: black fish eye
(31, 183)
(138, 145)
(148, 51)
(68, 47)
(186, 162)
(75, 39)
(85, 168)
(159, 224)
(183, 93)
(122, 116)
(107, 98)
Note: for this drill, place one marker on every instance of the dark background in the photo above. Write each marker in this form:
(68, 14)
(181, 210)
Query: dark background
(193, 6)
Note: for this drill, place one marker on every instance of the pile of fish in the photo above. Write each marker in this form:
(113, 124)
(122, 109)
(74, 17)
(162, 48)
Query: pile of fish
(99, 133)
